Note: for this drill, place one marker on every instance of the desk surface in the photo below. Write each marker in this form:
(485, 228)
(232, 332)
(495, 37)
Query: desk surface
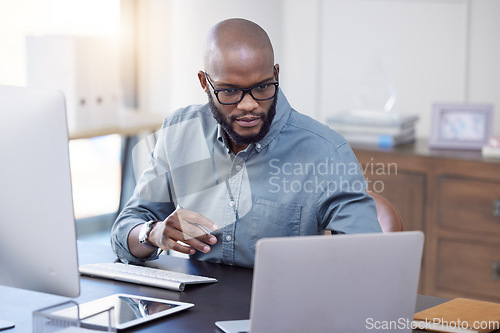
(229, 299)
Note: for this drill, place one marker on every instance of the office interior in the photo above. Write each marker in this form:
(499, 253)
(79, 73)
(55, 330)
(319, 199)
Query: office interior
(428, 51)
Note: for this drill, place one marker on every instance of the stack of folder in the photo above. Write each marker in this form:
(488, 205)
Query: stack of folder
(382, 129)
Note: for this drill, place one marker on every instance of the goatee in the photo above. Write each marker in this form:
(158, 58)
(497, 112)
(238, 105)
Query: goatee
(228, 127)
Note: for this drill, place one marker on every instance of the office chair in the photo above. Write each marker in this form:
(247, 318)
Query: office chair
(388, 216)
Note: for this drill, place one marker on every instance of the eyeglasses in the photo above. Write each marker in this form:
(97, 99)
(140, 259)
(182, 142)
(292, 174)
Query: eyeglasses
(260, 92)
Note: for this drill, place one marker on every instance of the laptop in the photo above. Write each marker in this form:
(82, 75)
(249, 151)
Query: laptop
(342, 283)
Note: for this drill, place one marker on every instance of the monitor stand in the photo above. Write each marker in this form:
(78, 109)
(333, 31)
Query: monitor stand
(5, 325)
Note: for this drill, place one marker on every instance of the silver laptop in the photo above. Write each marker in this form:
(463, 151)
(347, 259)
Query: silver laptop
(342, 283)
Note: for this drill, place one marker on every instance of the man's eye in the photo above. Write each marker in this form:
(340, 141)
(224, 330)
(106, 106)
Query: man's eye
(229, 92)
(261, 87)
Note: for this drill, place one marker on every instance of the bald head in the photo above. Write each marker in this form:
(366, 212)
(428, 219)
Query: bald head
(236, 39)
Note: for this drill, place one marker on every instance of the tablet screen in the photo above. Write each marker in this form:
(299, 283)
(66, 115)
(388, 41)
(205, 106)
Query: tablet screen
(128, 310)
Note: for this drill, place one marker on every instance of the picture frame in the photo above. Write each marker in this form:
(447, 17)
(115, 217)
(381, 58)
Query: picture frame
(460, 126)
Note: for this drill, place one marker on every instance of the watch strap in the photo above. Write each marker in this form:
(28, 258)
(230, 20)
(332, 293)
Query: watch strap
(144, 234)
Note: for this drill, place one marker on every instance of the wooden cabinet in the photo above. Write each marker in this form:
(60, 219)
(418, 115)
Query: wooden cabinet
(410, 203)
(467, 268)
(454, 198)
(470, 205)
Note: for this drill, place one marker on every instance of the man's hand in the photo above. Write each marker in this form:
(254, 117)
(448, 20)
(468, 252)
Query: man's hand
(190, 228)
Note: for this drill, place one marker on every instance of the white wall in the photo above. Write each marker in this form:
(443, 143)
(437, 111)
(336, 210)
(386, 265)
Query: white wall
(431, 50)
(420, 44)
(22, 18)
(174, 32)
(484, 83)
(301, 70)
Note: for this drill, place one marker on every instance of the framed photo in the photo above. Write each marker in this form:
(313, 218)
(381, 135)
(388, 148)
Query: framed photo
(461, 126)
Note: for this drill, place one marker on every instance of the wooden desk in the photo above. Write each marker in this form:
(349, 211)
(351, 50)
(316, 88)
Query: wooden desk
(228, 299)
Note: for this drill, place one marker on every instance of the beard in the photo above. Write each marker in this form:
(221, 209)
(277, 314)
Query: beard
(228, 127)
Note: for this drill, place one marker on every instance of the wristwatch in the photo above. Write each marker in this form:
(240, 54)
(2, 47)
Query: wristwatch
(144, 234)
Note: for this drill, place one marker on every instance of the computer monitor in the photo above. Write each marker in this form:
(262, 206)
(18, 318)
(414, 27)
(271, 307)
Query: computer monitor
(37, 226)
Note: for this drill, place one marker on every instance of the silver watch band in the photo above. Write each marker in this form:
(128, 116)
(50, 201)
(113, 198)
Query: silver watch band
(144, 234)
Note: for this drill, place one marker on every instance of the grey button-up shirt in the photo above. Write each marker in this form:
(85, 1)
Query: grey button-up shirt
(300, 179)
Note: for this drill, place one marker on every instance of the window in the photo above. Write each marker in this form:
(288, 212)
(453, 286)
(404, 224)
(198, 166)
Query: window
(95, 175)
(95, 163)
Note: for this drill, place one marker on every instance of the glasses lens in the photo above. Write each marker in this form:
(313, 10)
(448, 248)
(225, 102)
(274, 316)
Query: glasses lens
(229, 96)
(264, 91)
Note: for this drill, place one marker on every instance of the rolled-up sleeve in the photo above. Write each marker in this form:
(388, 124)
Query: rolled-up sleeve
(344, 206)
(151, 200)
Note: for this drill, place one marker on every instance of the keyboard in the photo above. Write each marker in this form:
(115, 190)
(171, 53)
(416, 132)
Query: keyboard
(148, 276)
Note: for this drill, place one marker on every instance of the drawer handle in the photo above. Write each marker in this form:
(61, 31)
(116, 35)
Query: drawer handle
(496, 207)
(495, 270)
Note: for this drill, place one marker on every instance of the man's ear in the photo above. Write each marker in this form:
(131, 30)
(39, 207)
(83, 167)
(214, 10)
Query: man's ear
(203, 81)
(277, 68)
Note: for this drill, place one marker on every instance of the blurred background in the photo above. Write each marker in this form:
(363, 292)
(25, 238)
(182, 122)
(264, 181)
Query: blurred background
(143, 55)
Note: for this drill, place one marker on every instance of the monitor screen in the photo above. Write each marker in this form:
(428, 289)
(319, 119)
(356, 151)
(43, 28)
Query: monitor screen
(37, 226)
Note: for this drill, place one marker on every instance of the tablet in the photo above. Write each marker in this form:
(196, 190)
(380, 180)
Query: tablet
(128, 311)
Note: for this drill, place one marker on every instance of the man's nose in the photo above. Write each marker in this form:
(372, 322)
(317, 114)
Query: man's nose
(247, 103)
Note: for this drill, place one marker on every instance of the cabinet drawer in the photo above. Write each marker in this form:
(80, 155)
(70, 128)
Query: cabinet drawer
(468, 204)
(468, 268)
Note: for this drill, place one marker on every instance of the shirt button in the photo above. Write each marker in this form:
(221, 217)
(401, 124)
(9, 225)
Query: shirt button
(258, 146)
(238, 167)
(232, 203)
(228, 238)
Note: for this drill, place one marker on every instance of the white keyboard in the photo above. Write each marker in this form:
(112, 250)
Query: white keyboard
(154, 277)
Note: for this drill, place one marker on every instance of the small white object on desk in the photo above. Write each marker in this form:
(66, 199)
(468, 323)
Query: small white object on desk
(492, 150)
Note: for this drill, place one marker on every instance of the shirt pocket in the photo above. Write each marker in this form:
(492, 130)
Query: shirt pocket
(274, 219)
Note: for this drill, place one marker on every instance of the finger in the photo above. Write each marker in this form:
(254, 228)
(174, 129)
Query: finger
(168, 243)
(196, 244)
(179, 235)
(194, 230)
(208, 239)
(194, 225)
(189, 216)
(172, 236)
(182, 248)
(175, 222)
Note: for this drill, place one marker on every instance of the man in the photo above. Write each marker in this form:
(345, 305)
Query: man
(242, 167)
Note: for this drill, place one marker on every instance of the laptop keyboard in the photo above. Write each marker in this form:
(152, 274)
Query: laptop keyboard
(149, 276)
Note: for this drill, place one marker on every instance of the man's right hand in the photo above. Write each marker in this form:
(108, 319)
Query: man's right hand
(190, 228)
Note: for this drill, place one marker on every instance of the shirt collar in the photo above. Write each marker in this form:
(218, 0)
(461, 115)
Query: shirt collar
(222, 137)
